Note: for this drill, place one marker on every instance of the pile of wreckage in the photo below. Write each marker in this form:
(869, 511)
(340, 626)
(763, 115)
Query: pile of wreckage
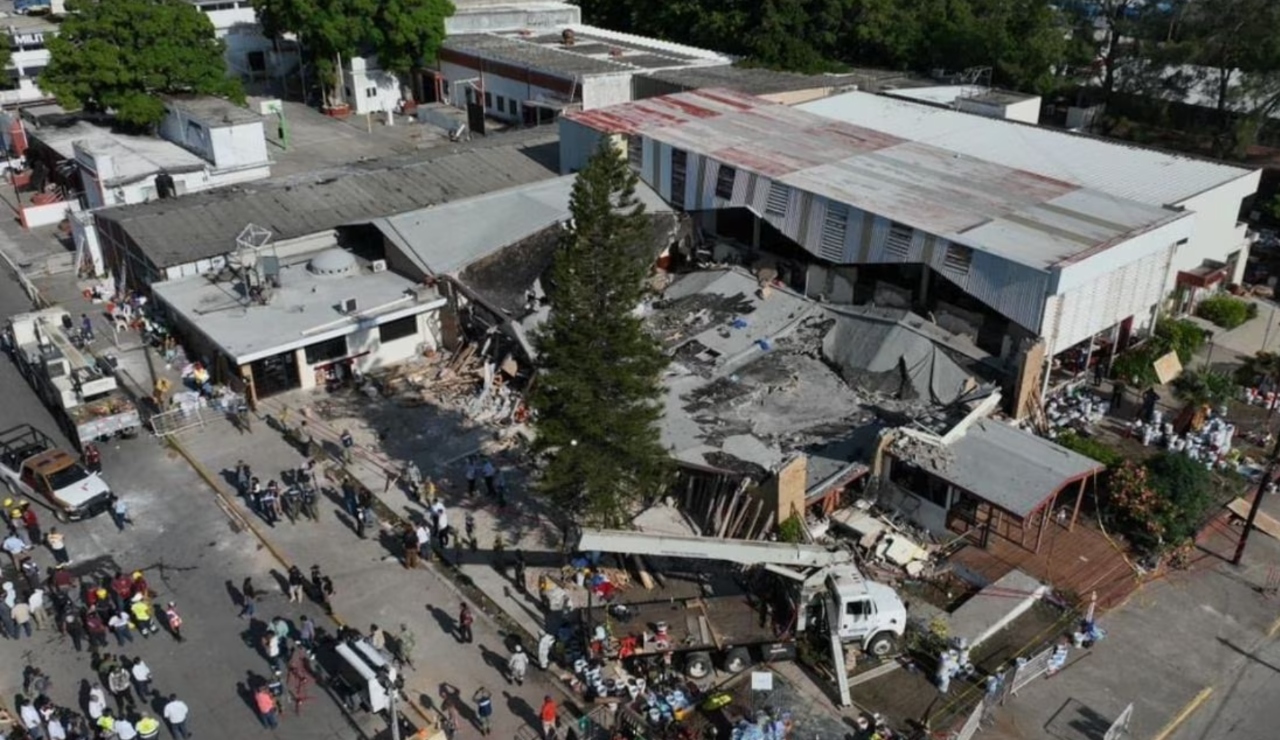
(464, 380)
(891, 548)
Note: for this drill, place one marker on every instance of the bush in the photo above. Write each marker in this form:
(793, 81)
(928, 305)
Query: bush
(1160, 504)
(1091, 447)
(1225, 311)
(1171, 335)
(791, 530)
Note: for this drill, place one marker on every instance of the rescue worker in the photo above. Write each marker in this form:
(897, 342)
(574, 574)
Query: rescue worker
(148, 727)
(518, 665)
(143, 615)
(174, 621)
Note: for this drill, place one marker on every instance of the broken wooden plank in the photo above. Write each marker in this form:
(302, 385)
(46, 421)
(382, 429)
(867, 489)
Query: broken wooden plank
(646, 579)
(1264, 522)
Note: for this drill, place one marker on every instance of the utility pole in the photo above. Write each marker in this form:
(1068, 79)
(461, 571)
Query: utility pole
(1257, 502)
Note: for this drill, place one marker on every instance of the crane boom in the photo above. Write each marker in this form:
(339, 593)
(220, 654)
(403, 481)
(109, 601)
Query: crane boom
(746, 552)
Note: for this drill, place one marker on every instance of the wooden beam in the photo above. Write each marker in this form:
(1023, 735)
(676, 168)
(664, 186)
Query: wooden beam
(1075, 512)
(1044, 518)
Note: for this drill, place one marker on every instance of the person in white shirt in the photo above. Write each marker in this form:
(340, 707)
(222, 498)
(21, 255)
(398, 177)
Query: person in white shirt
(175, 713)
(31, 719)
(142, 677)
(55, 729)
(125, 730)
(97, 703)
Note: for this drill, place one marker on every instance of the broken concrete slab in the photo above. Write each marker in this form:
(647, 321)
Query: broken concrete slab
(995, 607)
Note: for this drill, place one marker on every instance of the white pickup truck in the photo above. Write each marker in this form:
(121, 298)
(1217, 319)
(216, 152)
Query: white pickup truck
(34, 467)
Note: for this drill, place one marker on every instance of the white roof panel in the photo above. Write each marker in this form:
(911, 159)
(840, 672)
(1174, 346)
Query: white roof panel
(1117, 169)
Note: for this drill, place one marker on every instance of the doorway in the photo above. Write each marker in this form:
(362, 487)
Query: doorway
(275, 374)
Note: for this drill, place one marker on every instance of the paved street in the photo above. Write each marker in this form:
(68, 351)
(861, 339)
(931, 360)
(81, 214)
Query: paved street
(184, 544)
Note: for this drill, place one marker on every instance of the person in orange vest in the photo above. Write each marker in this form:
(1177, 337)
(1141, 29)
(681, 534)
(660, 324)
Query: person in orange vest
(173, 620)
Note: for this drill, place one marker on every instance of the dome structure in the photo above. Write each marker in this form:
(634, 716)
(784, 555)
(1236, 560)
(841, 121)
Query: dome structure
(333, 262)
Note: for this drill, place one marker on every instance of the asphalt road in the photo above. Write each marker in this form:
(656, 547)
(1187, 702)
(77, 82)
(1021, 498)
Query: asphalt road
(191, 554)
(1243, 706)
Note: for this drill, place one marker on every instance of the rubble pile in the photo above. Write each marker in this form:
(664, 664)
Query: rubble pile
(462, 380)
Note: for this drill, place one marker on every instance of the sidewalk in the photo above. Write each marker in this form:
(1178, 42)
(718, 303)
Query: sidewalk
(373, 587)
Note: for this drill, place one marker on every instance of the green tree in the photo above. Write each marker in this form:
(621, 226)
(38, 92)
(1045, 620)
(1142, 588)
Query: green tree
(408, 33)
(119, 55)
(328, 31)
(596, 396)
(1204, 387)
(1160, 504)
(1232, 50)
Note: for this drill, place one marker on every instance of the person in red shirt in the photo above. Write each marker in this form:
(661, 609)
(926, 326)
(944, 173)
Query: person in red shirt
(140, 586)
(121, 591)
(548, 716)
(31, 522)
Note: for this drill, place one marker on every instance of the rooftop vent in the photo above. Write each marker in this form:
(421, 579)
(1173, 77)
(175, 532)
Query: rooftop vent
(333, 262)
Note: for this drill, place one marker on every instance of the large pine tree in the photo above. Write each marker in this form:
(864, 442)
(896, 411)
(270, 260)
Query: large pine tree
(596, 397)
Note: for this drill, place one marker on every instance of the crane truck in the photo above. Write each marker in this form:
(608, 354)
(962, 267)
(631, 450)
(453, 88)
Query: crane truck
(824, 591)
(78, 387)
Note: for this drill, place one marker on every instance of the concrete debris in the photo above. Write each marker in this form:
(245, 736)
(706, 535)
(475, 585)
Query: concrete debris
(934, 457)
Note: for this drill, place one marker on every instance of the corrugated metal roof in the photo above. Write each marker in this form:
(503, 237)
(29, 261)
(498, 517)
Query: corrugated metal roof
(526, 54)
(195, 227)
(1115, 168)
(1011, 468)
(1029, 218)
(757, 81)
(445, 239)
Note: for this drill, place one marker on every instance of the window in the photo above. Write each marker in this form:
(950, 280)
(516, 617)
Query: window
(471, 95)
(488, 100)
(958, 258)
(679, 160)
(502, 104)
(834, 227)
(860, 609)
(724, 182)
(635, 151)
(398, 329)
(371, 92)
(257, 61)
(776, 205)
(898, 243)
(513, 107)
(327, 351)
(913, 479)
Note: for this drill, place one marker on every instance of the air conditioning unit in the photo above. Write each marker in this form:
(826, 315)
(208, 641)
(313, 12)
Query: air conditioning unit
(378, 266)
(349, 306)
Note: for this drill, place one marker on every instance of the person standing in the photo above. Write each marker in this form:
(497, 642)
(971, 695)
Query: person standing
(518, 665)
(96, 630)
(414, 477)
(72, 627)
(326, 594)
(174, 620)
(22, 617)
(119, 512)
(548, 714)
(141, 677)
(271, 646)
(148, 727)
(308, 503)
(36, 604)
(470, 474)
(409, 540)
(306, 632)
(424, 541)
(488, 471)
(348, 446)
(120, 685)
(268, 713)
(31, 523)
(406, 643)
(269, 504)
(244, 476)
(175, 713)
(248, 598)
(349, 498)
(58, 546)
(484, 709)
(297, 582)
(465, 620)
(97, 704)
(30, 717)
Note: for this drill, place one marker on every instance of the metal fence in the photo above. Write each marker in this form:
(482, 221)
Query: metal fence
(1035, 667)
(180, 419)
(1120, 728)
(972, 724)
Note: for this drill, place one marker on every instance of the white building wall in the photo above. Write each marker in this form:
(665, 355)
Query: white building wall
(510, 17)
(599, 91)
(1218, 232)
(237, 153)
(501, 87)
(375, 354)
(369, 89)
(1026, 111)
(236, 23)
(243, 146)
